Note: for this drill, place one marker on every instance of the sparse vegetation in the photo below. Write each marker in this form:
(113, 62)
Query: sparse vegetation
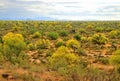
(59, 51)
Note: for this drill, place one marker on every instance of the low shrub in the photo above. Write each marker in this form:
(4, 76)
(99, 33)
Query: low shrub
(62, 58)
(74, 44)
(31, 46)
(36, 35)
(114, 34)
(42, 44)
(59, 43)
(53, 35)
(13, 45)
(99, 39)
(77, 37)
(63, 33)
(80, 51)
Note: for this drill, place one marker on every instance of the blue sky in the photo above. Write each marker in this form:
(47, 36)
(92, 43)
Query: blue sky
(60, 9)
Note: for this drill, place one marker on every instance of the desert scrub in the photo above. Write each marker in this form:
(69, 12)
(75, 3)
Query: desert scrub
(114, 34)
(68, 25)
(53, 35)
(99, 39)
(42, 44)
(62, 58)
(31, 46)
(72, 43)
(36, 35)
(115, 58)
(59, 43)
(77, 37)
(99, 29)
(63, 33)
(13, 45)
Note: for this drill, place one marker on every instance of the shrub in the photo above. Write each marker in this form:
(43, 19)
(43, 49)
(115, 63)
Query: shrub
(53, 35)
(63, 33)
(82, 30)
(102, 60)
(77, 37)
(99, 39)
(84, 39)
(62, 58)
(80, 51)
(115, 58)
(36, 35)
(68, 25)
(31, 46)
(16, 28)
(114, 34)
(74, 44)
(59, 43)
(99, 29)
(42, 44)
(13, 45)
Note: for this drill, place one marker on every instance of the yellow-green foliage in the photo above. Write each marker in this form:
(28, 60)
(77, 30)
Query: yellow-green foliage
(42, 44)
(114, 34)
(63, 57)
(68, 25)
(72, 44)
(15, 28)
(90, 26)
(99, 39)
(59, 43)
(84, 39)
(31, 46)
(115, 58)
(36, 35)
(14, 43)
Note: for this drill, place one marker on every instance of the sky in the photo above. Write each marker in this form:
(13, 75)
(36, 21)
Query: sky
(60, 9)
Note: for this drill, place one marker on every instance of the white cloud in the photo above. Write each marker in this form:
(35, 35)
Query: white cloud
(68, 9)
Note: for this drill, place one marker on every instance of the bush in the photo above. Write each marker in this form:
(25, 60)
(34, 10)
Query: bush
(115, 58)
(62, 58)
(31, 46)
(36, 35)
(68, 25)
(82, 30)
(42, 44)
(16, 28)
(63, 33)
(59, 43)
(114, 34)
(77, 37)
(53, 35)
(99, 39)
(99, 29)
(84, 39)
(102, 60)
(80, 51)
(13, 45)
(74, 44)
